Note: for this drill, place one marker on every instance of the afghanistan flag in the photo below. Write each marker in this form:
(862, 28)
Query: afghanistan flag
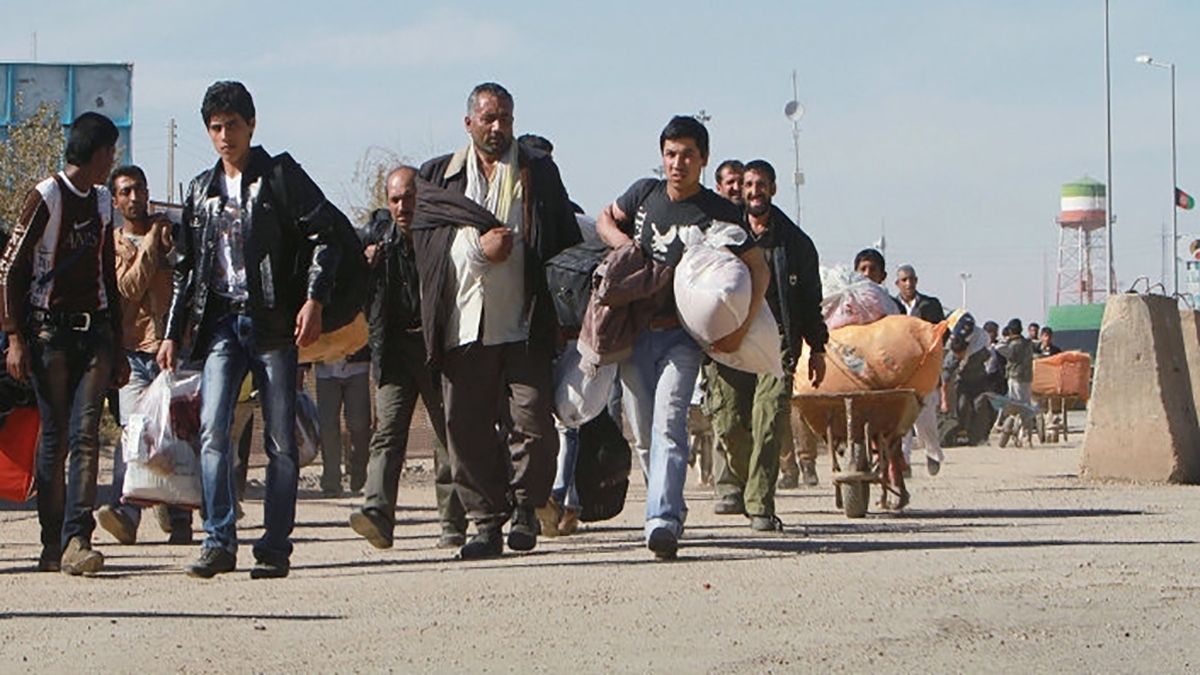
(1183, 200)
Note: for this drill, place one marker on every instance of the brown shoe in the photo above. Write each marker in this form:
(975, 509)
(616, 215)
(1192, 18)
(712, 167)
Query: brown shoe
(117, 524)
(79, 558)
(569, 523)
(548, 517)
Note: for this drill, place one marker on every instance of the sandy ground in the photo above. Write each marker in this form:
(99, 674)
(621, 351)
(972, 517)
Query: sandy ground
(1006, 562)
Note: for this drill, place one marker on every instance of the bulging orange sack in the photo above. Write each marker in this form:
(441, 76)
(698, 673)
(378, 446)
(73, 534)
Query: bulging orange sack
(895, 352)
(1064, 374)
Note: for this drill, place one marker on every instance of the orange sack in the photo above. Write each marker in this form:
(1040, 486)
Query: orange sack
(1064, 374)
(895, 352)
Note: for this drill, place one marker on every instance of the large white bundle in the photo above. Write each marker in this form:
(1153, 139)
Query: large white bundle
(177, 484)
(852, 299)
(581, 392)
(713, 290)
(712, 286)
(759, 351)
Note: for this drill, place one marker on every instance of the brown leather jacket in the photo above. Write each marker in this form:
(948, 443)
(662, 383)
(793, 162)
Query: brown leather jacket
(144, 280)
(628, 289)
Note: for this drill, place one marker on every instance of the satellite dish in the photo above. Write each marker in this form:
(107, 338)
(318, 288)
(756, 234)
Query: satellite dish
(793, 110)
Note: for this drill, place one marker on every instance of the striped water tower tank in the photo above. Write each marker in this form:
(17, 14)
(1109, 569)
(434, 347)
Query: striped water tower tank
(1084, 204)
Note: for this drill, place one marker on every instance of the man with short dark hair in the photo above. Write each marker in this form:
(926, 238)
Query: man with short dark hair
(751, 411)
(660, 374)
(257, 263)
(143, 247)
(494, 213)
(1034, 332)
(401, 373)
(729, 180)
(1045, 344)
(59, 306)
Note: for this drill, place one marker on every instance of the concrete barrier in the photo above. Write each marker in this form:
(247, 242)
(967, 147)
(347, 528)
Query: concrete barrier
(1189, 319)
(1142, 423)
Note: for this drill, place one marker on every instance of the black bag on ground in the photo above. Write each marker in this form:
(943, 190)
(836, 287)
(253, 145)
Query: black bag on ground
(602, 470)
(569, 276)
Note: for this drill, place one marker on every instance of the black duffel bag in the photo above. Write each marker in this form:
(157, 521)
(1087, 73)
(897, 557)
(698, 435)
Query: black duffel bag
(602, 469)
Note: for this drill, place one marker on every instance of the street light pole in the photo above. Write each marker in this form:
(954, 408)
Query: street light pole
(1174, 175)
(964, 276)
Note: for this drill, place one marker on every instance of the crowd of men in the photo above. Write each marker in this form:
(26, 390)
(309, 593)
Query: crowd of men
(459, 314)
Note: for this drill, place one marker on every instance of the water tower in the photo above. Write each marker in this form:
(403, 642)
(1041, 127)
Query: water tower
(1081, 243)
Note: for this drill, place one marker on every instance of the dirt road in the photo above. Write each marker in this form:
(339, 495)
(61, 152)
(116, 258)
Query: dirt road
(1005, 562)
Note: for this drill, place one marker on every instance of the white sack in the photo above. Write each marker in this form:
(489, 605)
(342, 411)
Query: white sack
(759, 351)
(144, 484)
(580, 393)
(712, 286)
(852, 299)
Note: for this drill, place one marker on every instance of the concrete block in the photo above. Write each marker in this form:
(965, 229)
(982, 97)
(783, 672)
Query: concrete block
(1142, 424)
(1189, 319)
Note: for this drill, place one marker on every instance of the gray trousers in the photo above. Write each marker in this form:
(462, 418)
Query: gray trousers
(502, 440)
(400, 383)
(353, 395)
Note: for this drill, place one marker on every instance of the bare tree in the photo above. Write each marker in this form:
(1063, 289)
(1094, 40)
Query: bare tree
(32, 151)
(369, 183)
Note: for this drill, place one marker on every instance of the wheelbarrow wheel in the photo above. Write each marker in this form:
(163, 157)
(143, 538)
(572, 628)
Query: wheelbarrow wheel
(1006, 432)
(856, 494)
(1041, 428)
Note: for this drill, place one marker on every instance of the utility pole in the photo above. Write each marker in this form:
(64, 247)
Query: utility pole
(794, 111)
(170, 157)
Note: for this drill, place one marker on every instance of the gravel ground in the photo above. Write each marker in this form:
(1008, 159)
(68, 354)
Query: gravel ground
(1004, 562)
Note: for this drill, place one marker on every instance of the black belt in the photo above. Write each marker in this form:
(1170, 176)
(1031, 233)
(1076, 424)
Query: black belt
(80, 321)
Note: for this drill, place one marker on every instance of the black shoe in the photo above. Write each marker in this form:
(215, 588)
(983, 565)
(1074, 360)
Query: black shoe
(730, 505)
(788, 482)
(485, 544)
(270, 567)
(766, 524)
(49, 561)
(180, 536)
(523, 533)
(664, 543)
(932, 466)
(213, 560)
(373, 526)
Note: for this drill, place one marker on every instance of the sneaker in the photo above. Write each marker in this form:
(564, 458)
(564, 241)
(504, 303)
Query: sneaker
(79, 558)
(452, 536)
(213, 560)
(730, 505)
(808, 471)
(373, 526)
(932, 466)
(548, 517)
(162, 516)
(485, 544)
(788, 482)
(569, 523)
(523, 533)
(117, 524)
(270, 567)
(663, 542)
(766, 524)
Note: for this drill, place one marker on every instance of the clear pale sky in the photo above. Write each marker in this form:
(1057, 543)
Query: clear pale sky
(948, 124)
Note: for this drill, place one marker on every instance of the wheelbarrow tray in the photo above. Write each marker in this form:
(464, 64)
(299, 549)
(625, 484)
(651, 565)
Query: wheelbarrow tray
(1004, 404)
(890, 412)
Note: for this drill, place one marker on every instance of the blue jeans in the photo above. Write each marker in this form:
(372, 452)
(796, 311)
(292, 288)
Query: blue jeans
(142, 370)
(564, 481)
(658, 379)
(232, 353)
(71, 372)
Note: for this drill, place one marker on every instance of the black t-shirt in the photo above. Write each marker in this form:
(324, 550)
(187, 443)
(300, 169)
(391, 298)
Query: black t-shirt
(655, 220)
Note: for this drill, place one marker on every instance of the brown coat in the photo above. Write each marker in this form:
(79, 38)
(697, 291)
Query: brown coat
(144, 280)
(628, 288)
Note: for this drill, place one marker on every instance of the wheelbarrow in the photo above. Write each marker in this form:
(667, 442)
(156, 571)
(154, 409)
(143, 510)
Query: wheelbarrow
(864, 431)
(1017, 420)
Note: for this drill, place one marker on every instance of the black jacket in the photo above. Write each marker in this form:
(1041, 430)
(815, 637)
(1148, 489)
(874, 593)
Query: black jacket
(393, 296)
(279, 281)
(550, 227)
(927, 307)
(795, 268)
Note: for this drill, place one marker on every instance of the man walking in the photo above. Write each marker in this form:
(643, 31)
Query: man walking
(930, 309)
(401, 373)
(660, 374)
(494, 213)
(143, 248)
(59, 306)
(751, 411)
(256, 264)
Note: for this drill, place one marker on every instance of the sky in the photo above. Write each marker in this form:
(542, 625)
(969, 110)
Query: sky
(947, 126)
